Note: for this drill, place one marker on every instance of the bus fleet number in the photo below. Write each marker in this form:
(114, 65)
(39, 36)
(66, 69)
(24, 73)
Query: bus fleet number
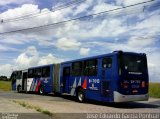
(94, 81)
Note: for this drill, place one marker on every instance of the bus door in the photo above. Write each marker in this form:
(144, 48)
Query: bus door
(66, 78)
(107, 71)
(24, 81)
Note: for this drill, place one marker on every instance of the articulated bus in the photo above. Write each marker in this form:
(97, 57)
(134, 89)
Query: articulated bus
(115, 77)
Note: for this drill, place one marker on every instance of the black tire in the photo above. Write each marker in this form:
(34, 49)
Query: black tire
(56, 94)
(80, 95)
(26, 92)
(41, 90)
(19, 89)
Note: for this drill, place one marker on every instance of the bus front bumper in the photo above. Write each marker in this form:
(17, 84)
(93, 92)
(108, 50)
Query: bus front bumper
(127, 98)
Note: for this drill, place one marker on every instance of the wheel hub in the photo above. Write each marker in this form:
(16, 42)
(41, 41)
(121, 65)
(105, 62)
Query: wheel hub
(80, 97)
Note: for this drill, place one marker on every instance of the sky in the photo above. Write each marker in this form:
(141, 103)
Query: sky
(133, 29)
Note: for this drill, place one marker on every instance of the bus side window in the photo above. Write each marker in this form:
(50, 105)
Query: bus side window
(90, 67)
(19, 75)
(107, 62)
(66, 71)
(38, 73)
(30, 73)
(46, 71)
(77, 68)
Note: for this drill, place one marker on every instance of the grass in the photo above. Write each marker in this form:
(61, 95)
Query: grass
(29, 106)
(154, 90)
(5, 85)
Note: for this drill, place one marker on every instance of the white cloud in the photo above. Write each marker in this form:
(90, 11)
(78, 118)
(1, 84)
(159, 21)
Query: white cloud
(144, 33)
(108, 28)
(104, 7)
(83, 7)
(73, 30)
(31, 50)
(84, 51)
(6, 69)
(12, 41)
(140, 41)
(6, 48)
(23, 61)
(31, 57)
(150, 23)
(42, 17)
(49, 59)
(129, 2)
(6, 2)
(153, 66)
(67, 44)
(45, 16)
(25, 9)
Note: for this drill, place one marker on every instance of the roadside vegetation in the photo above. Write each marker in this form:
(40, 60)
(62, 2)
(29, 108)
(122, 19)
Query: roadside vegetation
(4, 78)
(5, 85)
(154, 90)
(30, 106)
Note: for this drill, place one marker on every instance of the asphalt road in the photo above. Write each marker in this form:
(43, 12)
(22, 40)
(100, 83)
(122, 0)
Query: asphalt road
(62, 105)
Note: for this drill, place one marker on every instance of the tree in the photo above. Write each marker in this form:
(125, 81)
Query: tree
(4, 78)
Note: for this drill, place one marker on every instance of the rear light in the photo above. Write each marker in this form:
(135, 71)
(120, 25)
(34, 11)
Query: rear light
(143, 84)
(135, 91)
(125, 84)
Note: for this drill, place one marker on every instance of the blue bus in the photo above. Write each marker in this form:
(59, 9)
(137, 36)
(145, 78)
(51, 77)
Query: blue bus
(115, 77)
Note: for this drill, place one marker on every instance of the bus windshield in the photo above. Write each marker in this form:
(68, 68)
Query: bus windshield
(133, 64)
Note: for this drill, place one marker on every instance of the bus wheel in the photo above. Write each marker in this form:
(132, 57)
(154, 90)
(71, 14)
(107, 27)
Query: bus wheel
(80, 95)
(19, 89)
(41, 90)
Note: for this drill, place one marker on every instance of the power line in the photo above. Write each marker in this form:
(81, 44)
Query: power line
(74, 19)
(39, 14)
(135, 11)
(35, 14)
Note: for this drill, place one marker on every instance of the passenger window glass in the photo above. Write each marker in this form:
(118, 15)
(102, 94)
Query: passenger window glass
(38, 72)
(46, 72)
(107, 62)
(90, 67)
(77, 68)
(66, 71)
(31, 73)
(19, 75)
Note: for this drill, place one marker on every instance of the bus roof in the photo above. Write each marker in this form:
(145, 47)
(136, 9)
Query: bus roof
(41, 66)
(103, 55)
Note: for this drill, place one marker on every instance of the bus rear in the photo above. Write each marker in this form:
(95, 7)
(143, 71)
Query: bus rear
(133, 77)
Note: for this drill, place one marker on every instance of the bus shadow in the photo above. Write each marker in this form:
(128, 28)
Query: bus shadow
(126, 105)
